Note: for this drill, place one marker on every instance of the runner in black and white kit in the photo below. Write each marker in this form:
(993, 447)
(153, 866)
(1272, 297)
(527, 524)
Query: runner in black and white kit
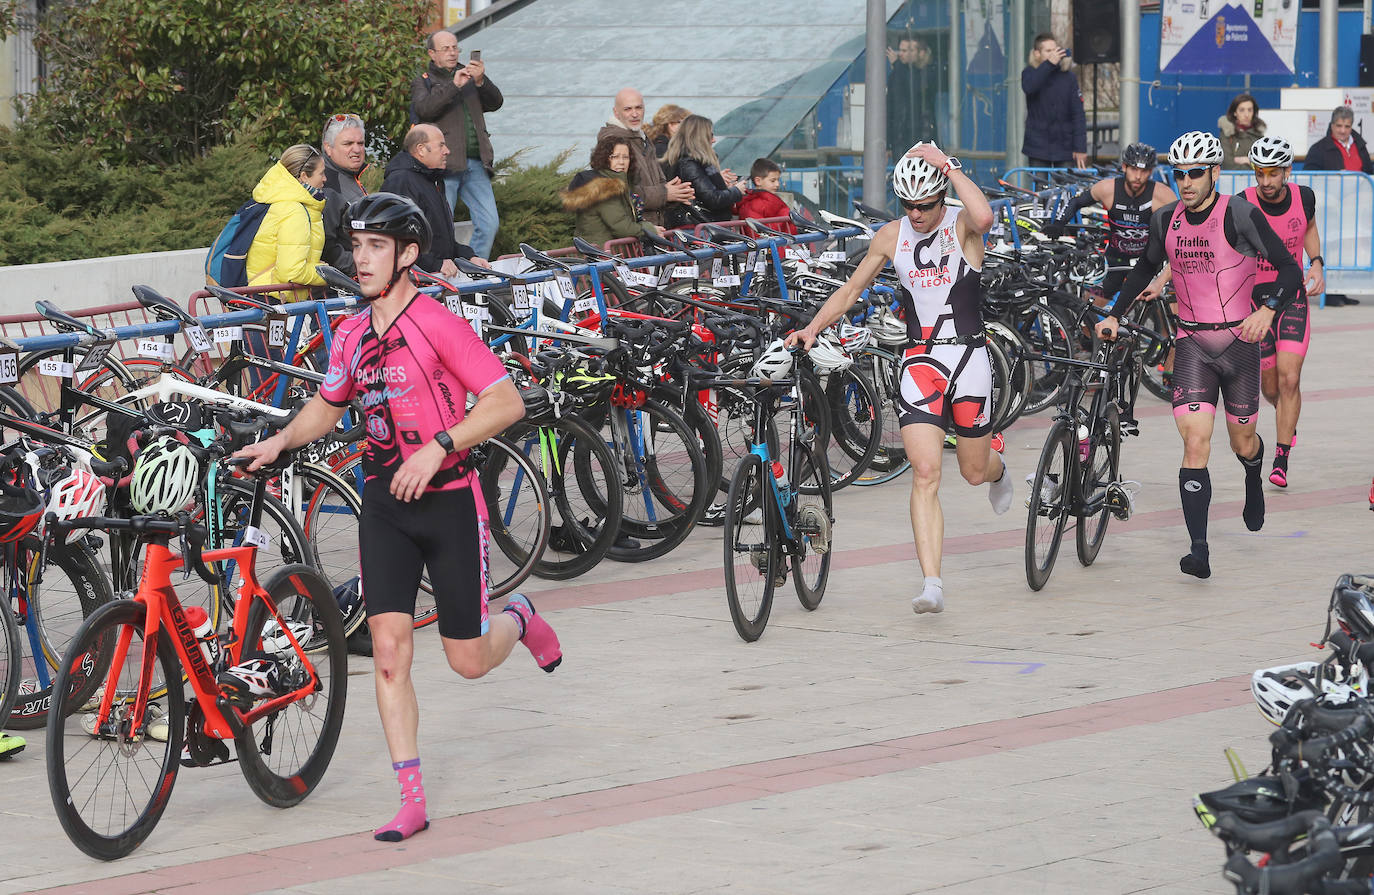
(946, 378)
(1211, 242)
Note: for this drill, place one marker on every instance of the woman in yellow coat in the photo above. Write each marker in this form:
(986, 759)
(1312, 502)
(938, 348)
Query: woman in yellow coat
(289, 242)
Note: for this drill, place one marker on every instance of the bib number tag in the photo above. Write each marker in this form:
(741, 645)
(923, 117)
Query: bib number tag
(565, 286)
(454, 304)
(196, 336)
(1038, 213)
(276, 330)
(149, 348)
(52, 366)
(585, 304)
(637, 277)
(254, 535)
(9, 366)
(228, 334)
(729, 279)
(835, 257)
(685, 271)
(95, 356)
(477, 315)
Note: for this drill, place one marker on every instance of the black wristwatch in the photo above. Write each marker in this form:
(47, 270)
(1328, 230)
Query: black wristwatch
(445, 442)
(1316, 259)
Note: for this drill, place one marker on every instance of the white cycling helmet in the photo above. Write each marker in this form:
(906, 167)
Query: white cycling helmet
(1276, 689)
(854, 338)
(774, 363)
(914, 178)
(1196, 148)
(77, 496)
(1271, 152)
(888, 328)
(165, 476)
(828, 354)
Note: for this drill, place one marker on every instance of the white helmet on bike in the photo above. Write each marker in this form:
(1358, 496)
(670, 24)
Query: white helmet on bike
(854, 338)
(80, 494)
(774, 363)
(1196, 148)
(165, 477)
(913, 178)
(888, 328)
(828, 354)
(1271, 152)
(1276, 689)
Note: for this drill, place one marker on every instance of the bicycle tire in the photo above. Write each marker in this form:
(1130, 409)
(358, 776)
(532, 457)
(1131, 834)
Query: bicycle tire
(518, 509)
(1019, 378)
(1156, 317)
(283, 774)
(999, 392)
(72, 795)
(331, 513)
(44, 393)
(11, 661)
(752, 556)
(1045, 331)
(856, 426)
(810, 568)
(1102, 467)
(1048, 509)
(889, 461)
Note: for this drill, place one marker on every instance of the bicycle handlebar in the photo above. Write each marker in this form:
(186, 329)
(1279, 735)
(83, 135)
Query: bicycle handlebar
(195, 533)
(1324, 857)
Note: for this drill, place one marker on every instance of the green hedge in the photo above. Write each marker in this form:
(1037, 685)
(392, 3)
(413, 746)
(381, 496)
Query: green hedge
(60, 204)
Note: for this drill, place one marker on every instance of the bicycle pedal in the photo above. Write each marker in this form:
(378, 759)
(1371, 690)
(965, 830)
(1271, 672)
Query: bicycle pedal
(1130, 427)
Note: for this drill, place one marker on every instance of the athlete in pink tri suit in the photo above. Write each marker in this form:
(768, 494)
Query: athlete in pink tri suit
(946, 377)
(1211, 243)
(1291, 210)
(411, 364)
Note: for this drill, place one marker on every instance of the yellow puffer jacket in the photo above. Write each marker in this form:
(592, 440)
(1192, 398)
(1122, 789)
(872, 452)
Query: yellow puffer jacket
(287, 246)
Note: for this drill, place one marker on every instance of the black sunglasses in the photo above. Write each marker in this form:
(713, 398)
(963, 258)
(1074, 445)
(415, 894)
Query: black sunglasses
(923, 206)
(1190, 174)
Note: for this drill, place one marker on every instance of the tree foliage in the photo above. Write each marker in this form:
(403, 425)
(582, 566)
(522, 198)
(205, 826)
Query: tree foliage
(163, 81)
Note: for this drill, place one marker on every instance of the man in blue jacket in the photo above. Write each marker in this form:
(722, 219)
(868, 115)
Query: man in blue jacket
(1056, 130)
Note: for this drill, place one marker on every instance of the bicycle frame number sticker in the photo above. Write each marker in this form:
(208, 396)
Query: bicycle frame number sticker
(95, 356)
(9, 366)
(228, 333)
(832, 256)
(254, 535)
(153, 348)
(51, 366)
(565, 286)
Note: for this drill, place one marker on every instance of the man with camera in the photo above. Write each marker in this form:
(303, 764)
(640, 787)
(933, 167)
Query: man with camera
(1056, 128)
(455, 99)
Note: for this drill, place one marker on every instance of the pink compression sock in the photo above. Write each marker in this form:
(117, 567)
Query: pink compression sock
(411, 818)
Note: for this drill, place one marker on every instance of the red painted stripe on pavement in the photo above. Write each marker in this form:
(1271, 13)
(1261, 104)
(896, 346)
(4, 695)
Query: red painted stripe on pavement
(354, 854)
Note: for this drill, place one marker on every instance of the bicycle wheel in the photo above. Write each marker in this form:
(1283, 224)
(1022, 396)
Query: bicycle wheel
(1000, 395)
(752, 555)
(111, 787)
(1157, 378)
(1101, 469)
(44, 392)
(49, 610)
(284, 755)
(1019, 378)
(856, 426)
(331, 511)
(518, 511)
(1045, 332)
(812, 521)
(884, 371)
(11, 661)
(1050, 497)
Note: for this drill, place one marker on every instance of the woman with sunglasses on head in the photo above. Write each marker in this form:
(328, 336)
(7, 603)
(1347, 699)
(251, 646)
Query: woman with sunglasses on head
(946, 378)
(1211, 243)
(290, 239)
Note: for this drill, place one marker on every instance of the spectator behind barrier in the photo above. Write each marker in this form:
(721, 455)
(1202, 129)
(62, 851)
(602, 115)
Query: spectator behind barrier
(456, 98)
(911, 87)
(417, 172)
(1239, 128)
(600, 196)
(653, 187)
(691, 158)
(290, 239)
(1056, 128)
(344, 141)
(1342, 149)
(763, 201)
(666, 121)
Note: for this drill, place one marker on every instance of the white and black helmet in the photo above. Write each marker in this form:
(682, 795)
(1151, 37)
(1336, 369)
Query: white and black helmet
(1271, 152)
(914, 178)
(165, 476)
(774, 363)
(1196, 148)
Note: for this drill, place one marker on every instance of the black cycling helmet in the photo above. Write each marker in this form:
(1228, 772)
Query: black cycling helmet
(391, 215)
(1139, 155)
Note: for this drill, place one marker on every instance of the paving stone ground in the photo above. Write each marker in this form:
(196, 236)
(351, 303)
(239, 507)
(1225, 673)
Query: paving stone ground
(1018, 743)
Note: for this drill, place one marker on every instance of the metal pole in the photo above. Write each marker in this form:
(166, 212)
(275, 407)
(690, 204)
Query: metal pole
(1016, 99)
(1130, 72)
(1368, 16)
(875, 106)
(1326, 44)
(954, 136)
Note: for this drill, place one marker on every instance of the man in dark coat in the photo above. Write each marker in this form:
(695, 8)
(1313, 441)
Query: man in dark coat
(456, 99)
(650, 185)
(1056, 129)
(911, 87)
(1342, 149)
(417, 172)
(343, 141)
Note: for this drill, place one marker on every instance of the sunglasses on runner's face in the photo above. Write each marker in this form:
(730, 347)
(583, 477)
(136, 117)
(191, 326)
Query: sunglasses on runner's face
(922, 206)
(1190, 174)
(1269, 172)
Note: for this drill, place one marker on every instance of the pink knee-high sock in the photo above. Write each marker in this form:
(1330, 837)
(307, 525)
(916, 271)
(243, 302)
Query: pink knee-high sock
(411, 818)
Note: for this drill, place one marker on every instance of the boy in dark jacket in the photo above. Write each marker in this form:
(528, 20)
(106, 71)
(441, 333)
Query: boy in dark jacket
(762, 201)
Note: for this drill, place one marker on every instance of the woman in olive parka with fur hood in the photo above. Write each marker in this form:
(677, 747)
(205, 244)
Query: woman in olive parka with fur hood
(600, 196)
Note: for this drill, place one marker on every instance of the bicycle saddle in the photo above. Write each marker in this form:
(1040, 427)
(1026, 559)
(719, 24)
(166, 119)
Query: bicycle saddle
(541, 259)
(337, 279)
(230, 297)
(162, 307)
(64, 322)
(869, 211)
(592, 251)
(726, 236)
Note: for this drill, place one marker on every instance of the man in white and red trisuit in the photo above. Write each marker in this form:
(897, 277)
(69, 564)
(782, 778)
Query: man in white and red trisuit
(1211, 242)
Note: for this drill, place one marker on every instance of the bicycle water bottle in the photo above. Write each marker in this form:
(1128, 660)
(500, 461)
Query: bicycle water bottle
(780, 476)
(1083, 443)
(199, 620)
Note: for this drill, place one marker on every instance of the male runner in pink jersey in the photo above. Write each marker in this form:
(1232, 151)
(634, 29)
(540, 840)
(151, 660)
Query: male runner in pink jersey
(1292, 212)
(411, 364)
(946, 378)
(1211, 243)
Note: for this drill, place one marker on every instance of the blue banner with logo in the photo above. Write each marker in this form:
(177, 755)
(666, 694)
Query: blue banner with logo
(1206, 37)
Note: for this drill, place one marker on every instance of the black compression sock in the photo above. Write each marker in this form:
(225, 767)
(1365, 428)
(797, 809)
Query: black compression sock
(1196, 563)
(1254, 490)
(1281, 452)
(1195, 491)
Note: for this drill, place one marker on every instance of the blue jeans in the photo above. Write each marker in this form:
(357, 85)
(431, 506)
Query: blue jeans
(474, 187)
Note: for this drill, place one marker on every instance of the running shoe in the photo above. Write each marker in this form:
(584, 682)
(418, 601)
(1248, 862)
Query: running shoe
(1278, 477)
(814, 526)
(10, 745)
(254, 678)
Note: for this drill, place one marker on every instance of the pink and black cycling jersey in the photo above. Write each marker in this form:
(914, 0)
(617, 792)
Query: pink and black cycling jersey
(1290, 218)
(412, 381)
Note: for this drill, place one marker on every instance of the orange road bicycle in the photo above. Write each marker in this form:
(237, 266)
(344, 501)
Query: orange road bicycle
(116, 729)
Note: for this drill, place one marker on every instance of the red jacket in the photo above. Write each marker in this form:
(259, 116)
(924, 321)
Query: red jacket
(761, 205)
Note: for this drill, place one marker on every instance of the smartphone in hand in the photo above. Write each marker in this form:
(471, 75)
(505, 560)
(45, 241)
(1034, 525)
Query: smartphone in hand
(476, 56)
